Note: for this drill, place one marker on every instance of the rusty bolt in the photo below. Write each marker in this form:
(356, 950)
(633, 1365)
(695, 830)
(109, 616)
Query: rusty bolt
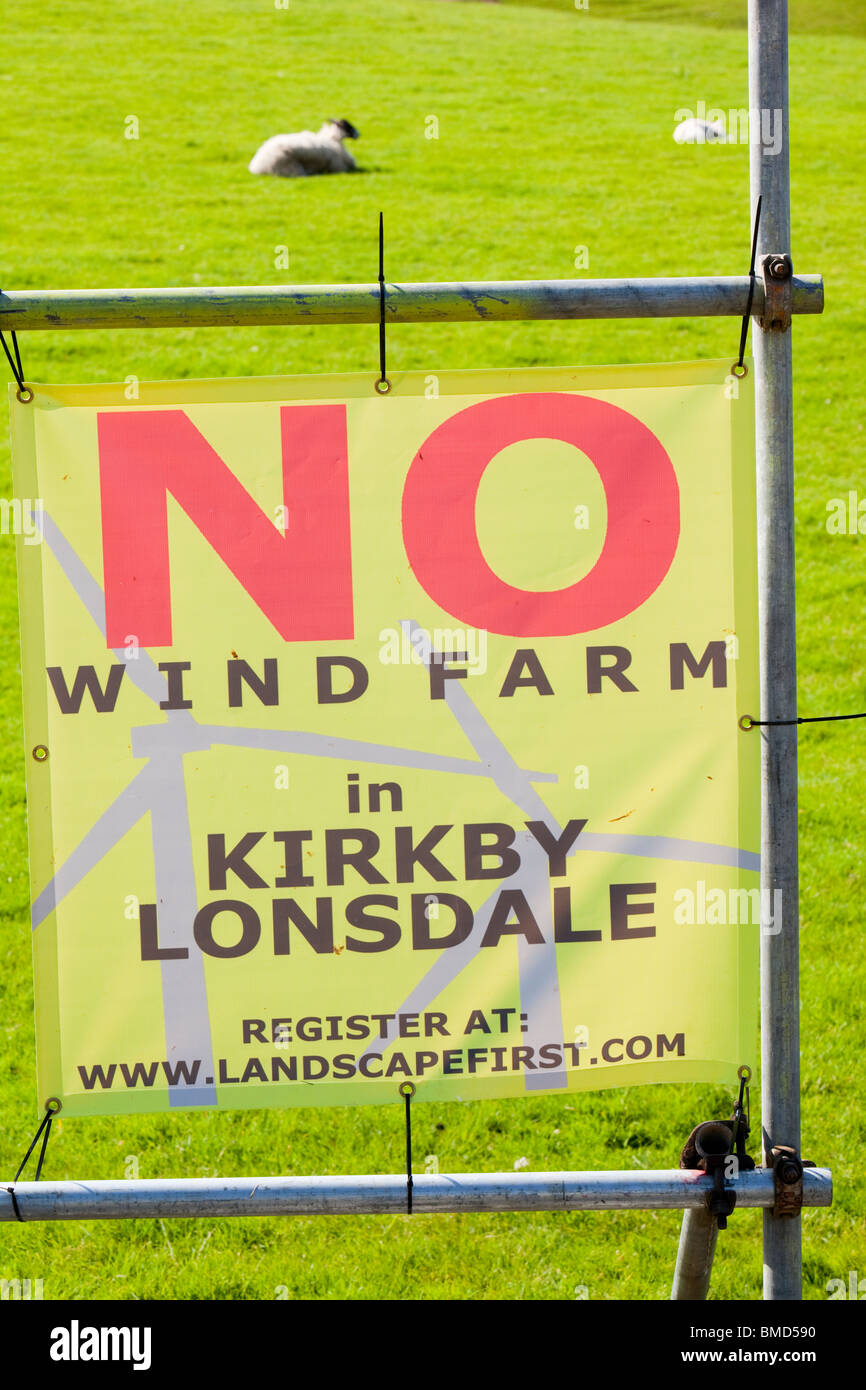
(779, 268)
(788, 1172)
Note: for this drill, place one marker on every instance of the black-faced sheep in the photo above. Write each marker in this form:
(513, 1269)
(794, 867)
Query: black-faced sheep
(296, 156)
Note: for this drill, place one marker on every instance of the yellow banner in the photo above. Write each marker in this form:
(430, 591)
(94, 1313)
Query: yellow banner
(386, 739)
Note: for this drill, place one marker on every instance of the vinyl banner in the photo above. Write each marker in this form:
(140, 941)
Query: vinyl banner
(376, 739)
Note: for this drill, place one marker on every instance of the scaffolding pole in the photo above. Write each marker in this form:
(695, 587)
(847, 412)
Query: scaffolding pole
(665, 1189)
(315, 305)
(780, 1030)
(698, 1236)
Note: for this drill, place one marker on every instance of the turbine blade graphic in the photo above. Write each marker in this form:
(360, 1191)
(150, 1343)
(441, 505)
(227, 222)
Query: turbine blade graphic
(539, 977)
(143, 671)
(160, 789)
(125, 811)
(353, 750)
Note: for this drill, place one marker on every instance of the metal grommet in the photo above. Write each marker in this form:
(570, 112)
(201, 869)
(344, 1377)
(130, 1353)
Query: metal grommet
(53, 1105)
(383, 386)
(24, 394)
(406, 1088)
(744, 1073)
(40, 752)
(746, 722)
(743, 370)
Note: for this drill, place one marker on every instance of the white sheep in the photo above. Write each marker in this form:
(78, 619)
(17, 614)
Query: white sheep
(295, 156)
(698, 132)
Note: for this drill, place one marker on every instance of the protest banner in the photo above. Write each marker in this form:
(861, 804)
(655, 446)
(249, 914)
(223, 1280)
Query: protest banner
(374, 739)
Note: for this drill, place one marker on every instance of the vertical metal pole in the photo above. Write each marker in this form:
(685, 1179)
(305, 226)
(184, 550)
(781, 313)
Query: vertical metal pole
(780, 1025)
(698, 1235)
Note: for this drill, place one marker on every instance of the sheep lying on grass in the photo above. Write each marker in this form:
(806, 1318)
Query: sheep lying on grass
(295, 156)
(698, 132)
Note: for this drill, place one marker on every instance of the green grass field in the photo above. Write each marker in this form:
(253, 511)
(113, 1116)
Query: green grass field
(554, 132)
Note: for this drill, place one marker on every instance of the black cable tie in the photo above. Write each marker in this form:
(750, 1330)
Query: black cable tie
(383, 385)
(52, 1108)
(746, 721)
(42, 1150)
(45, 1124)
(15, 1206)
(24, 391)
(744, 330)
(407, 1091)
(741, 1120)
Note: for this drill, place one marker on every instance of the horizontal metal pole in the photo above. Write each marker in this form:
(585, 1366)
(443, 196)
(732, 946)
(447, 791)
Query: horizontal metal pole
(673, 1188)
(684, 297)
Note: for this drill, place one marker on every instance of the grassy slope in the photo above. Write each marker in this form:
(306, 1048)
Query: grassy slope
(496, 196)
(804, 16)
